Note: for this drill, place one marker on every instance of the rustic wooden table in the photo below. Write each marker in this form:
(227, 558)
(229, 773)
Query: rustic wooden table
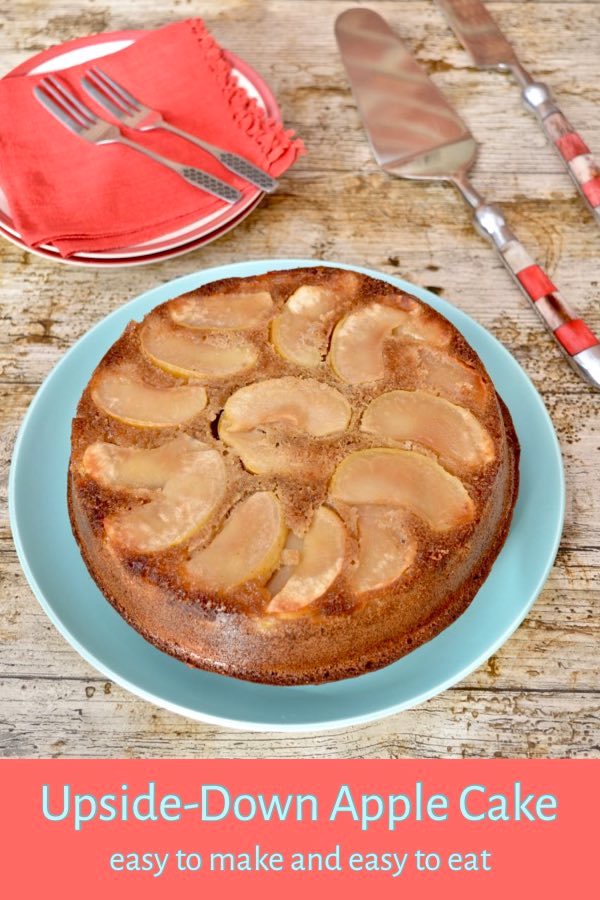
(540, 694)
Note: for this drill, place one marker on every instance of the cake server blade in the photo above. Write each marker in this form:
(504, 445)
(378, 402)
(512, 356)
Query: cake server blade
(415, 133)
(412, 129)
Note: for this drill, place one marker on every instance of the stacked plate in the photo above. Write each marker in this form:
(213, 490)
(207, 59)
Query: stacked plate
(172, 243)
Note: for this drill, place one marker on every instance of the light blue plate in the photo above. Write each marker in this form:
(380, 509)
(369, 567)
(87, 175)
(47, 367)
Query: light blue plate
(61, 583)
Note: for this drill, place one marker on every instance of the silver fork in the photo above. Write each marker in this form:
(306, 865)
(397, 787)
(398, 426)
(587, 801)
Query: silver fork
(132, 113)
(56, 97)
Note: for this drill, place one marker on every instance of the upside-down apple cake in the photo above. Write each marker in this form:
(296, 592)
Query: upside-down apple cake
(291, 478)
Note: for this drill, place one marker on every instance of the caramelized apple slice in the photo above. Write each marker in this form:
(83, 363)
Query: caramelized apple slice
(299, 333)
(132, 469)
(356, 354)
(386, 549)
(403, 479)
(423, 326)
(191, 494)
(186, 355)
(321, 560)
(222, 311)
(252, 415)
(452, 432)
(120, 393)
(289, 559)
(449, 377)
(246, 549)
(302, 403)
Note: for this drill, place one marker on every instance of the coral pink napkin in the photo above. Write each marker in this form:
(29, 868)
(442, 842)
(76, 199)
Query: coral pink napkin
(84, 198)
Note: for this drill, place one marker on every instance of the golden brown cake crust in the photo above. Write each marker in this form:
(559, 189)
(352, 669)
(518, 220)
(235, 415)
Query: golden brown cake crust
(340, 634)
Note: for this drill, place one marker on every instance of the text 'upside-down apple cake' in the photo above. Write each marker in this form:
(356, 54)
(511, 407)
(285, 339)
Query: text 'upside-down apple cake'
(291, 478)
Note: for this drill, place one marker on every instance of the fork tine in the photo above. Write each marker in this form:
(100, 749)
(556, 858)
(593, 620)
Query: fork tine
(113, 90)
(101, 98)
(117, 88)
(69, 97)
(49, 90)
(100, 84)
(57, 111)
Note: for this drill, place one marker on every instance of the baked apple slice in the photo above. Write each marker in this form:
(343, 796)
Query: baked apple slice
(386, 548)
(300, 332)
(451, 431)
(222, 312)
(254, 415)
(247, 548)
(358, 340)
(406, 480)
(321, 560)
(194, 482)
(445, 375)
(184, 354)
(133, 469)
(120, 393)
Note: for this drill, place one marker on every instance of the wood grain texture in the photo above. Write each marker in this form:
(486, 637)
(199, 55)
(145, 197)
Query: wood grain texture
(540, 695)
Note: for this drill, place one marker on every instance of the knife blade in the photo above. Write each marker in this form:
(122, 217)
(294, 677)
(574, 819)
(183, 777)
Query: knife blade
(479, 33)
(481, 36)
(414, 132)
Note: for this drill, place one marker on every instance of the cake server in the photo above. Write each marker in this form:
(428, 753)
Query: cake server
(415, 133)
(480, 35)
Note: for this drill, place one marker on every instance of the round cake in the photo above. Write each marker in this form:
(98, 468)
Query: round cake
(291, 478)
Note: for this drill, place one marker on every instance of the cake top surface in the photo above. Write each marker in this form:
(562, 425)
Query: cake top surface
(290, 445)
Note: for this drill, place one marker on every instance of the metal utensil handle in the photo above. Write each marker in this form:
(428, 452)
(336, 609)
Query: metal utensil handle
(248, 171)
(570, 146)
(197, 177)
(209, 183)
(237, 164)
(578, 342)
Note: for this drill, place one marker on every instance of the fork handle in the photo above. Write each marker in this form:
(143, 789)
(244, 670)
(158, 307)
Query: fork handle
(578, 343)
(237, 164)
(570, 146)
(200, 179)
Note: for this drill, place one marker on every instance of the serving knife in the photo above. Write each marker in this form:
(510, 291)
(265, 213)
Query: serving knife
(480, 35)
(415, 133)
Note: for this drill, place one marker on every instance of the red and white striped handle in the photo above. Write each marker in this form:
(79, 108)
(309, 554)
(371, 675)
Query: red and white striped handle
(577, 341)
(575, 153)
(568, 328)
(570, 146)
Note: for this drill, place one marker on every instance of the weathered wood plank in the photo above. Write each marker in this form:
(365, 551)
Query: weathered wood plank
(43, 717)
